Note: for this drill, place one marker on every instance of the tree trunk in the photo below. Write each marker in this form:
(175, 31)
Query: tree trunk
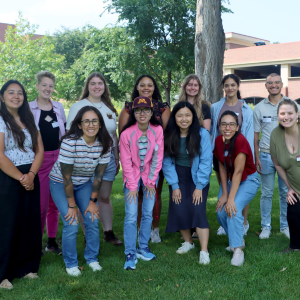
(209, 48)
(168, 88)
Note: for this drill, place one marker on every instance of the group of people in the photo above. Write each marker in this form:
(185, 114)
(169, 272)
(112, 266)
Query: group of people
(50, 165)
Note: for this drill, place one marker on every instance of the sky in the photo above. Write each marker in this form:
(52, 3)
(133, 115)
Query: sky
(273, 20)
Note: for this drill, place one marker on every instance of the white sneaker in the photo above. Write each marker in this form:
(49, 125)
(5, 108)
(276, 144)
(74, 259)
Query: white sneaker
(230, 249)
(95, 266)
(221, 231)
(238, 258)
(155, 238)
(246, 228)
(73, 271)
(204, 258)
(186, 247)
(265, 233)
(286, 232)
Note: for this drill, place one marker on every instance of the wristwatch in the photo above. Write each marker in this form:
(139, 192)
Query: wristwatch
(93, 199)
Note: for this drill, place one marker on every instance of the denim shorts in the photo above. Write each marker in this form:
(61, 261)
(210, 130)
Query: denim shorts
(111, 169)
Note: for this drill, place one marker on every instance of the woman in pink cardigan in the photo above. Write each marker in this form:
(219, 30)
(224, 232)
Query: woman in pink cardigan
(141, 152)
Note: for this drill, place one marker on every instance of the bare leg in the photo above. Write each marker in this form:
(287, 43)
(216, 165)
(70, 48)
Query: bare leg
(203, 235)
(245, 213)
(186, 234)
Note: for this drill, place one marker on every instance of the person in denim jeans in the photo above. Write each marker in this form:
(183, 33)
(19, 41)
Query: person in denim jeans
(265, 120)
(141, 153)
(85, 150)
(239, 182)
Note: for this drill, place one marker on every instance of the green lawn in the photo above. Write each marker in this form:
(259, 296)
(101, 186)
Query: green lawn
(173, 276)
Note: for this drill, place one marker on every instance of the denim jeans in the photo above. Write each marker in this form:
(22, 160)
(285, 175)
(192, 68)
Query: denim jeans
(234, 227)
(267, 189)
(82, 194)
(130, 223)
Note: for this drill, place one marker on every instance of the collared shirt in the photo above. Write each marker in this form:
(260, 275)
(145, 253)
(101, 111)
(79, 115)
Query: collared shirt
(265, 120)
(58, 110)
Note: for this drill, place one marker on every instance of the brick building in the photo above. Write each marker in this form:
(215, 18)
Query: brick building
(253, 63)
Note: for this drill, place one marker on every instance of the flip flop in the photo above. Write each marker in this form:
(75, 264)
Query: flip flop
(5, 284)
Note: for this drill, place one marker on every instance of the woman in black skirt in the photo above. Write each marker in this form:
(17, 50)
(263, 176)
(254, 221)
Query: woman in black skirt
(187, 168)
(21, 155)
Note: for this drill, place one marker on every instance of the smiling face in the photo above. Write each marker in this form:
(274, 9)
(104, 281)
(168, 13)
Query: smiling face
(143, 115)
(287, 116)
(96, 88)
(89, 129)
(274, 85)
(192, 88)
(146, 87)
(13, 97)
(228, 127)
(184, 118)
(45, 88)
(231, 88)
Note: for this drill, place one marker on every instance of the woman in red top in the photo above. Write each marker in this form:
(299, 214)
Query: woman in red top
(239, 182)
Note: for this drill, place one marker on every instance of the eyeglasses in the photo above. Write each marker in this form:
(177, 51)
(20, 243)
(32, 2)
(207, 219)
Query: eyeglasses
(87, 122)
(231, 125)
(145, 110)
(271, 82)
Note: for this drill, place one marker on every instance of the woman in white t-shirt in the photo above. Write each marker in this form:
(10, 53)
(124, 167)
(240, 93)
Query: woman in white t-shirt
(84, 150)
(21, 156)
(96, 93)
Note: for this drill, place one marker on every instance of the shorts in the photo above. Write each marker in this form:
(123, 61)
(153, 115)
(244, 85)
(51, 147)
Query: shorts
(216, 164)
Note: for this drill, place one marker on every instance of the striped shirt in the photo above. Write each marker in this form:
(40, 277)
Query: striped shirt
(143, 145)
(82, 156)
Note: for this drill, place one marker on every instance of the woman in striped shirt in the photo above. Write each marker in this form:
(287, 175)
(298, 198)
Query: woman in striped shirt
(85, 150)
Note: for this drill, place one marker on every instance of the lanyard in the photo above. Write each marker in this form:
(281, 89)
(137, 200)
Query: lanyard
(225, 153)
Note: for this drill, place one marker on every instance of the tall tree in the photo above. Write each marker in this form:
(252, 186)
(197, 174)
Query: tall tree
(209, 48)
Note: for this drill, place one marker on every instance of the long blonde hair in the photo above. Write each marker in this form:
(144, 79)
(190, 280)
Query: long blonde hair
(198, 98)
(105, 96)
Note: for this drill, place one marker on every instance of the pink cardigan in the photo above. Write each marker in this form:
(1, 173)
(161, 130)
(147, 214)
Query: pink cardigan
(130, 160)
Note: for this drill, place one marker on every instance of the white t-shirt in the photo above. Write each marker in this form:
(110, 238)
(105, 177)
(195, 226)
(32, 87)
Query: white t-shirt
(82, 156)
(11, 148)
(108, 116)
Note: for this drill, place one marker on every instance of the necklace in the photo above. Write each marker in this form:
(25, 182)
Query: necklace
(95, 104)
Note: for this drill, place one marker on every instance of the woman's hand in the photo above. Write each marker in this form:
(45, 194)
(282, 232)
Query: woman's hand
(230, 208)
(290, 197)
(197, 196)
(150, 190)
(93, 209)
(71, 215)
(132, 195)
(176, 196)
(27, 180)
(221, 202)
(117, 166)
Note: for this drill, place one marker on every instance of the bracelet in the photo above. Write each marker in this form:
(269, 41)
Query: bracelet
(32, 173)
(72, 206)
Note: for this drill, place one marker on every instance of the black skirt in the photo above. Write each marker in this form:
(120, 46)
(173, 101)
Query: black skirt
(20, 227)
(186, 215)
(293, 218)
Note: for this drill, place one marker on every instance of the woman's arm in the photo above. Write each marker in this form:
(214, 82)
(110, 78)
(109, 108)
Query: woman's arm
(116, 151)
(6, 165)
(206, 124)
(66, 171)
(123, 119)
(224, 197)
(165, 117)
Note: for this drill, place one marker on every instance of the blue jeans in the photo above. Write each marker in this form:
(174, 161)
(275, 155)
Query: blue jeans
(267, 189)
(130, 223)
(234, 227)
(82, 194)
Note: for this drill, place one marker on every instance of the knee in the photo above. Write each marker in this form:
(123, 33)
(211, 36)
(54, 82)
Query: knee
(88, 223)
(104, 199)
(131, 217)
(71, 229)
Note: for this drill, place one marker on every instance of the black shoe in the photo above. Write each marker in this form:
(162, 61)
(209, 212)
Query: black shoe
(53, 247)
(109, 236)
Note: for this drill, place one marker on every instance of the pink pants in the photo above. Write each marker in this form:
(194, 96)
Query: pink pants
(49, 210)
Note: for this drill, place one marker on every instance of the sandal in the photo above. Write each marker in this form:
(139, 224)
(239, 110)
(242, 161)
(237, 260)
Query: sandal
(31, 276)
(5, 284)
(194, 236)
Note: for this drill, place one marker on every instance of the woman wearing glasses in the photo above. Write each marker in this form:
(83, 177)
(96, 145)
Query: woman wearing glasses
(141, 151)
(239, 182)
(96, 93)
(232, 102)
(84, 150)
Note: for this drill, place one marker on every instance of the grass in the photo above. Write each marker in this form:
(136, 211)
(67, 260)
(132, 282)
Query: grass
(173, 276)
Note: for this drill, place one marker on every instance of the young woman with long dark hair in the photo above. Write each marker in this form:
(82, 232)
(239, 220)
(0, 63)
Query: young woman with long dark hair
(187, 168)
(146, 86)
(51, 118)
(234, 103)
(96, 93)
(141, 151)
(239, 182)
(21, 156)
(84, 151)
(285, 153)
